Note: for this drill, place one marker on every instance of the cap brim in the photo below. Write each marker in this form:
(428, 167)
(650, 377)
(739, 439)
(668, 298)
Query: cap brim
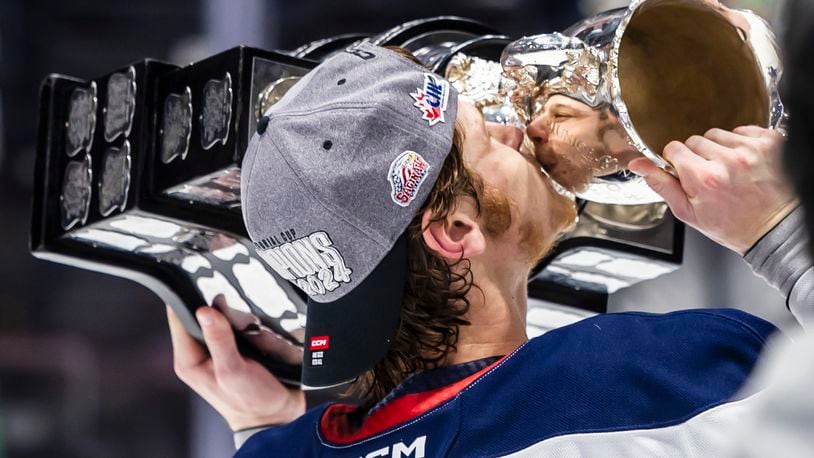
(346, 337)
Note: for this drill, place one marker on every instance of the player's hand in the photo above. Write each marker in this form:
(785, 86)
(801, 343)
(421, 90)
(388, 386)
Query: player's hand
(730, 187)
(244, 392)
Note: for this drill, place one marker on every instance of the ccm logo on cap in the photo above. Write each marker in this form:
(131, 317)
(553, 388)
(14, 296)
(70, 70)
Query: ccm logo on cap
(319, 343)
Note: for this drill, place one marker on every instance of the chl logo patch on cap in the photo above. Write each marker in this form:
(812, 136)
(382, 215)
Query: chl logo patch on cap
(432, 99)
(407, 172)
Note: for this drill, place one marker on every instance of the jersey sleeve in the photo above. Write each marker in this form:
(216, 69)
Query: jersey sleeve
(631, 373)
(782, 258)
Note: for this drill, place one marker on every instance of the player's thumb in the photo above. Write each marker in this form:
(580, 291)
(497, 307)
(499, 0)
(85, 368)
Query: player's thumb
(665, 185)
(220, 340)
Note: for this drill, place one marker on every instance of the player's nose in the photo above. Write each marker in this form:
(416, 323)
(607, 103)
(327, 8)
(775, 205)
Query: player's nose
(508, 135)
(537, 131)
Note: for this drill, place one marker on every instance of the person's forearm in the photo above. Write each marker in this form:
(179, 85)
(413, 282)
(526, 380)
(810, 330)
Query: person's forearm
(782, 258)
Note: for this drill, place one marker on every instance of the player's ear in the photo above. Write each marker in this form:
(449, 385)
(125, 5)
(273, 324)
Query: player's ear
(457, 236)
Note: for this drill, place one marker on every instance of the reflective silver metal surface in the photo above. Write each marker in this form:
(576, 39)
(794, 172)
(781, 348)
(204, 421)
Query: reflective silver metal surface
(114, 185)
(273, 93)
(76, 192)
(223, 267)
(626, 82)
(81, 123)
(176, 126)
(220, 188)
(120, 105)
(602, 271)
(216, 113)
(266, 76)
(431, 47)
(481, 82)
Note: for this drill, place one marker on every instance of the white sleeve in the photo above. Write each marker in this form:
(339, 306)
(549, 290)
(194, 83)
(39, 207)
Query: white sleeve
(243, 435)
(780, 421)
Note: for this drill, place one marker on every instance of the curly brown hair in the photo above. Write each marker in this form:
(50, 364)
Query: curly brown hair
(435, 302)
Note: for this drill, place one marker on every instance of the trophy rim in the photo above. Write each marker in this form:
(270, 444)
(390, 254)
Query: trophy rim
(768, 63)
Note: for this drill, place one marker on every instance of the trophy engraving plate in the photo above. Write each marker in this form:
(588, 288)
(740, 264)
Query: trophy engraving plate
(81, 123)
(176, 126)
(76, 192)
(216, 114)
(115, 182)
(120, 105)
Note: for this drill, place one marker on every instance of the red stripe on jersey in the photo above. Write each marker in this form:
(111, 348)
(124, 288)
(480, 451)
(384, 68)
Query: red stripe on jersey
(336, 427)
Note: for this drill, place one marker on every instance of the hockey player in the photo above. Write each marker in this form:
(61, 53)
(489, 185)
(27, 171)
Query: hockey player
(413, 224)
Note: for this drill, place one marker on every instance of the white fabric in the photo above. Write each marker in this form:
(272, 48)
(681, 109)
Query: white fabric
(243, 435)
(706, 434)
(781, 422)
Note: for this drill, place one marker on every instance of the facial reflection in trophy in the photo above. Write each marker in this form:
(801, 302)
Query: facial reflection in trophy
(576, 143)
(584, 148)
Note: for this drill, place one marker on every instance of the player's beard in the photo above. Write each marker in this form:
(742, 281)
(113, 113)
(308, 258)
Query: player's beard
(497, 213)
(534, 242)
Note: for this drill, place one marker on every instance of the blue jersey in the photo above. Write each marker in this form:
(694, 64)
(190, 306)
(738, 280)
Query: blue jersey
(630, 383)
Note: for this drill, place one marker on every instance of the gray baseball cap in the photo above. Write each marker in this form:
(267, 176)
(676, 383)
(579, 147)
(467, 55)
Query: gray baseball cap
(337, 171)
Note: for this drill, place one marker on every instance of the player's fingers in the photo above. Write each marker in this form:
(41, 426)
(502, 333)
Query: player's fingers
(707, 148)
(681, 157)
(187, 352)
(752, 131)
(766, 143)
(664, 185)
(220, 340)
(725, 138)
(189, 357)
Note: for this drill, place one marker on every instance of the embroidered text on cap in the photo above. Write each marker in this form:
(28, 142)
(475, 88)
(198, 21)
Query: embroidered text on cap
(313, 263)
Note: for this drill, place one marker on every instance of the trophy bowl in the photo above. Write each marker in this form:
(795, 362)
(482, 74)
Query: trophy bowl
(624, 83)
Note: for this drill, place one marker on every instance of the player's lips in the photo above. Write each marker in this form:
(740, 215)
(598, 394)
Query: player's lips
(506, 134)
(527, 150)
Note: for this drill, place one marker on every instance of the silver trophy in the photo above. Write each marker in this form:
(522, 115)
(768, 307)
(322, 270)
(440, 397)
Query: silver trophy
(138, 171)
(624, 83)
(617, 86)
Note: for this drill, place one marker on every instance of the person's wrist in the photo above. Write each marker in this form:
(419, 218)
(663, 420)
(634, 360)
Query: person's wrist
(771, 221)
(293, 408)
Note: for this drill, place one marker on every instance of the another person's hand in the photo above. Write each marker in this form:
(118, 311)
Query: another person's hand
(730, 185)
(244, 392)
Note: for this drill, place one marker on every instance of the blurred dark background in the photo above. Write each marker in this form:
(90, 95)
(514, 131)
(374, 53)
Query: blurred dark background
(85, 360)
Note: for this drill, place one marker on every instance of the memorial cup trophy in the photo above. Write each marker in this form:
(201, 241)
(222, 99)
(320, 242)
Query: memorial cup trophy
(137, 171)
(614, 87)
